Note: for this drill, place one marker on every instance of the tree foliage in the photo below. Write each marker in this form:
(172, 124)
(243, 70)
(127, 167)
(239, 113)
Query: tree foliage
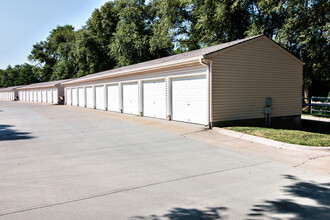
(18, 75)
(124, 32)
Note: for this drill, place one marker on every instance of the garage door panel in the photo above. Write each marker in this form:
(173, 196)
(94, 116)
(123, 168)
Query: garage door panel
(68, 96)
(81, 97)
(113, 97)
(154, 99)
(35, 96)
(189, 99)
(49, 96)
(39, 96)
(55, 96)
(130, 98)
(74, 96)
(44, 96)
(99, 95)
(89, 97)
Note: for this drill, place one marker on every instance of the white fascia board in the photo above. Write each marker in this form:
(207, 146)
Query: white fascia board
(38, 87)
(137, 70)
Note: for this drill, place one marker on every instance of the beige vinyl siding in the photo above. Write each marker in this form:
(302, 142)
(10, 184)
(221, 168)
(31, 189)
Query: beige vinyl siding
(243, 76)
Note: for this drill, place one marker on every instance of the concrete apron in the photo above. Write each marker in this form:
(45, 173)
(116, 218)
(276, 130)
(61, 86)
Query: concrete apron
(71, 163)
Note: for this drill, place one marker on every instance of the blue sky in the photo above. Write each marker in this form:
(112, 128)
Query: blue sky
(25, 22)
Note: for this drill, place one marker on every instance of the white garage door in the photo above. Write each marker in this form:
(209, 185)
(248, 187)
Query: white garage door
(74, 96)
(55, 96)
(99, 95)
(39, 96)
(113, 98)
(89, 97)
(130, 98)
(81, 97)
(68, 96)
(31, 96)
(44, 96)
(154, 99)
(35, 96)
(189, 97)
(27, 96)
(49, 96)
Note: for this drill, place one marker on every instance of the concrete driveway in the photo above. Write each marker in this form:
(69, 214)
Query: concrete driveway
(62, 162)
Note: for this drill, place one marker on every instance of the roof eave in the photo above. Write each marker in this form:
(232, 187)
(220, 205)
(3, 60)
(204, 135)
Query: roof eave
(138, 70)
(37, 87)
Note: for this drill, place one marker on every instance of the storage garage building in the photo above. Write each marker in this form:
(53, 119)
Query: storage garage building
(9, 93)
(222, 84)
(47, 92)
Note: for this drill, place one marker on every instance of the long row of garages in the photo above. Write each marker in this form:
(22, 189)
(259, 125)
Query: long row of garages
(10, 96)
(222, 84)
(40, 95)
(177, 98)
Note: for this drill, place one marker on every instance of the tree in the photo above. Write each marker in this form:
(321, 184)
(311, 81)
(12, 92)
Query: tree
(133, 40)
(44, 62)
(92, 52)
(18, 75)
(55, 55)
(124, 32)
(26, 74)
(168, 25)
(89, 55)
(130, 41)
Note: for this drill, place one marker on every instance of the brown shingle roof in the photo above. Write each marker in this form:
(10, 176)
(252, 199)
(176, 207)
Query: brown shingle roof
(9, 88)
(44, 84)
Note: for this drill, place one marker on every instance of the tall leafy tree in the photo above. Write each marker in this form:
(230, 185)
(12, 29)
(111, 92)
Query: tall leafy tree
(55, 55)
(89, 54)
(26, 74)
(130, 41)
(18, 75)
(43, 60)
(218, 21)
(133, 40)
(92, 51)
(124, 32)
(169, 25)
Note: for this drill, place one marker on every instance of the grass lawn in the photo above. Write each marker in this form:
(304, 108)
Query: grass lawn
(309, 136)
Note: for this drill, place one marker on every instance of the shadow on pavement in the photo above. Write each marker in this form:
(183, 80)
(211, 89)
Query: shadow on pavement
(187, 214)
(8, 134)
(310, 201)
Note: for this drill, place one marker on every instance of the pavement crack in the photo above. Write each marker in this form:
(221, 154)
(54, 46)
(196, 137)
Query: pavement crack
(309, 159)
(42, 206)
(194, 132)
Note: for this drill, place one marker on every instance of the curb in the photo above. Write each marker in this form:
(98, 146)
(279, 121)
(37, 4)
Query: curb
(265, 141)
